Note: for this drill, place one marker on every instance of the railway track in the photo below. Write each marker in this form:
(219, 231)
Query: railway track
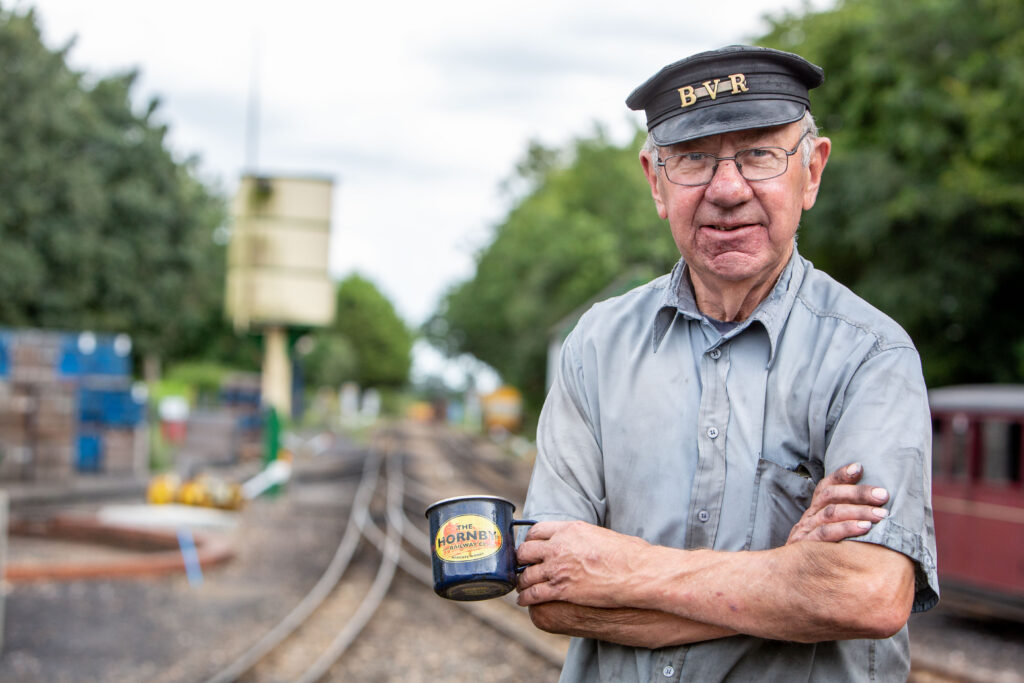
(387, 512)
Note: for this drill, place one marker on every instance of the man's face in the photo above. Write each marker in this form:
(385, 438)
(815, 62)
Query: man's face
(732, 230)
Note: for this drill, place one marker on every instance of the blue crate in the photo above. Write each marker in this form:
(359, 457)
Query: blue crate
(120, 409)
(236, 396)
(109, 406)
(95, 354)
(90, 405)
(112, 362)
(104, 360)
(5, 364)
(70, 362)
(90, 453)
(250, 422)
(114, 407)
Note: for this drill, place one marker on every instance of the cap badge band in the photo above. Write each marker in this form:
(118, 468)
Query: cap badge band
(689, 94)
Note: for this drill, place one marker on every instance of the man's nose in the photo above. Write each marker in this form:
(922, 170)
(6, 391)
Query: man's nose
(728, 187)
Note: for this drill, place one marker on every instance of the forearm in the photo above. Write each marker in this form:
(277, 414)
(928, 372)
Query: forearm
(624, 626)
(804, 592)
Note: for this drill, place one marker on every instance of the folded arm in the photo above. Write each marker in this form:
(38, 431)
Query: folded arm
(804, 592)
(839, 510)
(624, 626)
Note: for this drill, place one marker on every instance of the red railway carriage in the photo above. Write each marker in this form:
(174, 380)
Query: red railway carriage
(978, 496)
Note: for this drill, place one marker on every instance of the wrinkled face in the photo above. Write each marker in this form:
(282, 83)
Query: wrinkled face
(732, 230)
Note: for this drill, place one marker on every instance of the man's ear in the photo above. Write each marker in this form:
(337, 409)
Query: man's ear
(651, 173)
(820, 149)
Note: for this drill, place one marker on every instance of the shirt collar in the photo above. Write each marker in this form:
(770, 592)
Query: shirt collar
(678, 299)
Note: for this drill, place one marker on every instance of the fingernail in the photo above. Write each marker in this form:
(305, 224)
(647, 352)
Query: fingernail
(880, 493)
(853, 469)
(863, 524)
(880, 512)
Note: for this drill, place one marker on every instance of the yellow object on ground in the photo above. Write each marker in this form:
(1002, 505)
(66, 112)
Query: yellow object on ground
(202, 491)
(163, 489)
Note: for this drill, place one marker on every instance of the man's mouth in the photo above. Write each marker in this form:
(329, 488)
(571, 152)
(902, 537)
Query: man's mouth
(727, 228)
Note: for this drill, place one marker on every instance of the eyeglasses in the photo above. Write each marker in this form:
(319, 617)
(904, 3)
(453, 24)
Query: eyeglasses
(698, 168)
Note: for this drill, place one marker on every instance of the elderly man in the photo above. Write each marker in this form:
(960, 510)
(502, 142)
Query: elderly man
(692, 418)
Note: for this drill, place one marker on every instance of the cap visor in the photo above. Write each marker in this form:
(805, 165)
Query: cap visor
(726, 117)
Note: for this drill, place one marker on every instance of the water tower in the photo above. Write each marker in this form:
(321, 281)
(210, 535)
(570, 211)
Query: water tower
(277, 268)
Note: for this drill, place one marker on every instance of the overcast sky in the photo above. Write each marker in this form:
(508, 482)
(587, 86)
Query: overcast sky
(418, 110)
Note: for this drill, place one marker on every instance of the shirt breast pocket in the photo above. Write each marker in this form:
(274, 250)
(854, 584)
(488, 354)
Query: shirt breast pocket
(780, 497)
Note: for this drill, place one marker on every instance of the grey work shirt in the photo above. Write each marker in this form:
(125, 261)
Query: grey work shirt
(658, 426)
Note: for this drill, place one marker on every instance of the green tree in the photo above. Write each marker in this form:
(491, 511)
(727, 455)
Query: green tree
(921, 210)
(367, 343)
(585, 218)
(100, 227)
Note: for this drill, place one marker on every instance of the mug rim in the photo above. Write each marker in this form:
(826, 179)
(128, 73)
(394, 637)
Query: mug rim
(455, 499)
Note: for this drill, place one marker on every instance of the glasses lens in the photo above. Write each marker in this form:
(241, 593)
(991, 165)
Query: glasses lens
(762, 163)
(694, 168)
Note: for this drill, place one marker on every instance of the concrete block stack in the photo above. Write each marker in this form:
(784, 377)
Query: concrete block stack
(15, 445)
(37, 413)
(67, 405)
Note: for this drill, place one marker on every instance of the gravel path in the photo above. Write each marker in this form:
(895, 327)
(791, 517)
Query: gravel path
(163, 630)
(976, 649)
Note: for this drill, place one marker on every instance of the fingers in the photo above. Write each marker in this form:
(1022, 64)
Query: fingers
(842, 512)
(543, 530)
(531, 575)
(530, 552)
(839, 531)
(841, 487)
(850, 474)
(533, 595)
(835, 522)
(861, 494)
(533, 586)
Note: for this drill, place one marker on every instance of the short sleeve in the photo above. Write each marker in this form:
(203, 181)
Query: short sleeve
(567, 481)
(884, 423)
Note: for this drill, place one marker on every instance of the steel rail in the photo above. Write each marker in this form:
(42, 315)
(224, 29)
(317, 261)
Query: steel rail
(327, 582)
(381, 583)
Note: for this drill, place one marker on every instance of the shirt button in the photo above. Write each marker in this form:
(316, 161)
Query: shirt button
(715, 354)
(669, 671)
(703, 515)
(712, 432)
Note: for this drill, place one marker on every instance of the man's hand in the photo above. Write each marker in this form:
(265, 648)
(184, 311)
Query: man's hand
(577, 562)
(840, 508)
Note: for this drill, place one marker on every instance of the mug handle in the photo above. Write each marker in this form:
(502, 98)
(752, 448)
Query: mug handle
(522, 522)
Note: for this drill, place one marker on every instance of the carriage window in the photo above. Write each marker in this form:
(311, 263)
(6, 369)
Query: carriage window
(1001, 451)
(1016, 430)
(956, 445)
(939, 454)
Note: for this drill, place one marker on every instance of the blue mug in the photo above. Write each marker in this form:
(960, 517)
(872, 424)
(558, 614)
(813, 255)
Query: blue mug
(473, 548)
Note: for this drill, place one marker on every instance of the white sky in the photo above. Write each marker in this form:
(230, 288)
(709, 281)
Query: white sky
(417, 110)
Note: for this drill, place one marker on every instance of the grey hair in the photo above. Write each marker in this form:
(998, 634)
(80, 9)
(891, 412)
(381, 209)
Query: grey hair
(807, 125)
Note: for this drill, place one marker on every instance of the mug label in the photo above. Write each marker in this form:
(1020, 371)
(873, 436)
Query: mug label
(467, 538)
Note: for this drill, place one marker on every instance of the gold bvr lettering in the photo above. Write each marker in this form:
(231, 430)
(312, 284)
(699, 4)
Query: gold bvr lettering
(712, 92)
(689, 95)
